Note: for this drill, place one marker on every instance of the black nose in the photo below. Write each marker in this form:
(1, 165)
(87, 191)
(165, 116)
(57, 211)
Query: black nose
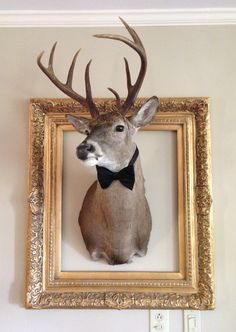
(87, 147)
(83, 150)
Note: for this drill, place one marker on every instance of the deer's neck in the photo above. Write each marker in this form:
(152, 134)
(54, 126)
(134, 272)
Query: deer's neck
(117, 192)
(121, 161)
(126, 176)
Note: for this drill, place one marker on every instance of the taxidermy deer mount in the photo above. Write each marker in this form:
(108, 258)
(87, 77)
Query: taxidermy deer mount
(115, 218)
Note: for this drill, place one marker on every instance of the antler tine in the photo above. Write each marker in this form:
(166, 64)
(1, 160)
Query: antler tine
(92, 107)
(137, 45)
(133, 33)
(71, 70)
(50, 63)
(118, 103)
(129, 85)
(67, 87)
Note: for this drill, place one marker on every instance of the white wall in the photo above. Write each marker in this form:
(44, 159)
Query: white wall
(190, 61)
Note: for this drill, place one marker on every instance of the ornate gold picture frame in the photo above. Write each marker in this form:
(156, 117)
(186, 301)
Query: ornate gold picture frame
(190, 286)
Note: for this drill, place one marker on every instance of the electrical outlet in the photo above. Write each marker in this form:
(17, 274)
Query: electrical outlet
(192, 321)
(159, 320)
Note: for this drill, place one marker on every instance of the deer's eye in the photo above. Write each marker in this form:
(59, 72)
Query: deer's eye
(120, 128)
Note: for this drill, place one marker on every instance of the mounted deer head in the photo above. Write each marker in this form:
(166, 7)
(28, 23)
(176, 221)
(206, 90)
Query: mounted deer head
(115, 219)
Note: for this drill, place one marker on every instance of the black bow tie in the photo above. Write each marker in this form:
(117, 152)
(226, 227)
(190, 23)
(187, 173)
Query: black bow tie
(125, 176)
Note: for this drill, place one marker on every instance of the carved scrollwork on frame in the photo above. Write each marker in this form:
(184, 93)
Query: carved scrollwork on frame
(72, 295)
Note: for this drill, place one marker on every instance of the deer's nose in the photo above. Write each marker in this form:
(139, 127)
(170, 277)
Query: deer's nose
(83, 149)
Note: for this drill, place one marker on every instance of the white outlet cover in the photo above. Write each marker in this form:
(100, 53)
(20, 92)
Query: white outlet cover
(159, 321)
(192, 321)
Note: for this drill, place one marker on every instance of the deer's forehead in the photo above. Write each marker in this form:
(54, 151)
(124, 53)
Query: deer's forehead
(108, 120)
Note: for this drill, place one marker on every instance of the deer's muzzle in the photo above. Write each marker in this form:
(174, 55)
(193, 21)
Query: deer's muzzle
(83, 150)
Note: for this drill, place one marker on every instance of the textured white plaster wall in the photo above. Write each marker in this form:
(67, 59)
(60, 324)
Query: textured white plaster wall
(190, 61)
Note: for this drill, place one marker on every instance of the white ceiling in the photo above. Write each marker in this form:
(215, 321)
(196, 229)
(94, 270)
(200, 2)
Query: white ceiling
(113, 5)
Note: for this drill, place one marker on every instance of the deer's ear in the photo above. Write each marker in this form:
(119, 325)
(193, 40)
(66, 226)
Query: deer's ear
(146, 113)
(81, 124)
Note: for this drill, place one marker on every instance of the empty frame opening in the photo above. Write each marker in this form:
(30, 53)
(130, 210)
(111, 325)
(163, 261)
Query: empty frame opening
(158, 153)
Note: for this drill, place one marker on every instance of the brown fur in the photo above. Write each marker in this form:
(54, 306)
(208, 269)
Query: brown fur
(116, 222)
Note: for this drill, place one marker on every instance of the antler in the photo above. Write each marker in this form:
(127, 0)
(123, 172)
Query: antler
(137, 45)
(67, 87)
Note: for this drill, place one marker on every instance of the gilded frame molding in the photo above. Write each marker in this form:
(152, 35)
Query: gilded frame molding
(191, 286)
